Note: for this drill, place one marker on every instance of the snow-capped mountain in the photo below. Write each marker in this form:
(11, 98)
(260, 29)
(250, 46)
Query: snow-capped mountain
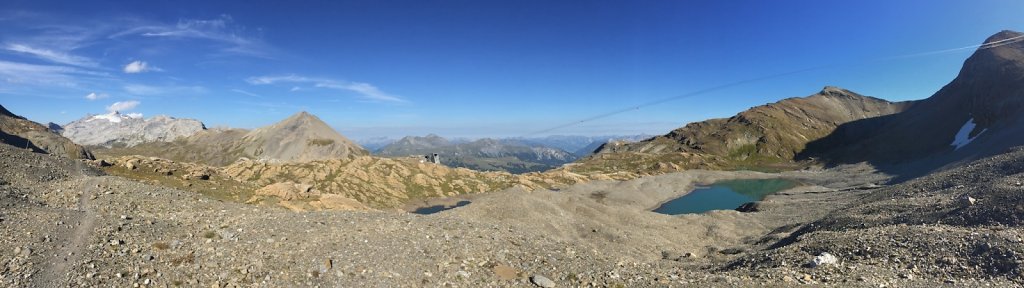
(116, 129)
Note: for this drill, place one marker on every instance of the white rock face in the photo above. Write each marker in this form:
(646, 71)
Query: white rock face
(128, 129)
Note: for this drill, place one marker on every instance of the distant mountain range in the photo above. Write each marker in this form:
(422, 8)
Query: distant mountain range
(482, 154)
(979, 113)
(299, 138)
(116, 134)
(578, 145)
(375, 143)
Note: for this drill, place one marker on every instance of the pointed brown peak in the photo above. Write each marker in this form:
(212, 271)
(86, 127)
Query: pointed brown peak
(836, 91)
(301, 119)
(302, 115)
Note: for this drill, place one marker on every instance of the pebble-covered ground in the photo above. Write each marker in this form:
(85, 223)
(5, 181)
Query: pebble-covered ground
(63, 225)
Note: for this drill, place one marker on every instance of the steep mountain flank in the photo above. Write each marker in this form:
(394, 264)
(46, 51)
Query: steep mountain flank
(22, 133)
(767, 135)
(299, 138)
(979, 113)
(484, 154)
(215, 147)
(116, 129)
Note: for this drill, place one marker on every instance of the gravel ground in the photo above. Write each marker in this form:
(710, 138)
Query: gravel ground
(63, 225)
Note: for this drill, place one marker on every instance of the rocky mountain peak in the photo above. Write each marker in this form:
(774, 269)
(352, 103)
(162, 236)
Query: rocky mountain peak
(301, 137)
(1004, 35)
(990, 83)
(116, 129)
(835, 91)
(302, 118)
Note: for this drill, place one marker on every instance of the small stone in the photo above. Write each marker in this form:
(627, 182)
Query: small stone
(462, 274)
(669, 255)
(542, 281)
(328, 264)
(115, 242)
(823, 259)
(967, 200)
(807, 278)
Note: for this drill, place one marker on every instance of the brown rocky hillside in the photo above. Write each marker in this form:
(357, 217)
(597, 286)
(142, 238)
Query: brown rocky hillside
(22, 133)
(763, 136)
(988, 91)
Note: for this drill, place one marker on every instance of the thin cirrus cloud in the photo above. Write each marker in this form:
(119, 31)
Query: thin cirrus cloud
(123, 106)
(18, 73)
(96, 96)
(139, 67)
(51, 55)
(150, 90)
(222, 30)
(364, 90)
(247, 93)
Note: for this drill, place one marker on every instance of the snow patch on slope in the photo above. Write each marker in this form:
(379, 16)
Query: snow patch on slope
(962, 137)
(115, 117)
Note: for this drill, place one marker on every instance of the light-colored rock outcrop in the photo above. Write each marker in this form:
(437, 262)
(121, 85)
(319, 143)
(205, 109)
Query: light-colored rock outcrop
(128, 130)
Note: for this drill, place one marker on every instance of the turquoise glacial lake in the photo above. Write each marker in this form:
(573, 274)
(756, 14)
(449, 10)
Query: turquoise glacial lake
(724, 195)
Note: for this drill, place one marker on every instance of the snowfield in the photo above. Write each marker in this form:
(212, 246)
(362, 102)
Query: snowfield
(962, 137)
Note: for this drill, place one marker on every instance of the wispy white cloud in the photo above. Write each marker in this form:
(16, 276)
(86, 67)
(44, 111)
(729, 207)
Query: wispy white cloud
(123, 106)
(96, 96)
(368, 91)
(294, 89)
(43, 75)
(51, 55)
(243, 92)
(139, 67)
(149, 90)
(365, 91)
(223, 30)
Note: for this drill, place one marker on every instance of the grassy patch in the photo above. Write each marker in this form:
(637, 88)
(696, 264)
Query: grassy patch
(319, 142)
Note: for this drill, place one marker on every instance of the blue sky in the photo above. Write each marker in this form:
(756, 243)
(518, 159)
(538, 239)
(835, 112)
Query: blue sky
(471, 68)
